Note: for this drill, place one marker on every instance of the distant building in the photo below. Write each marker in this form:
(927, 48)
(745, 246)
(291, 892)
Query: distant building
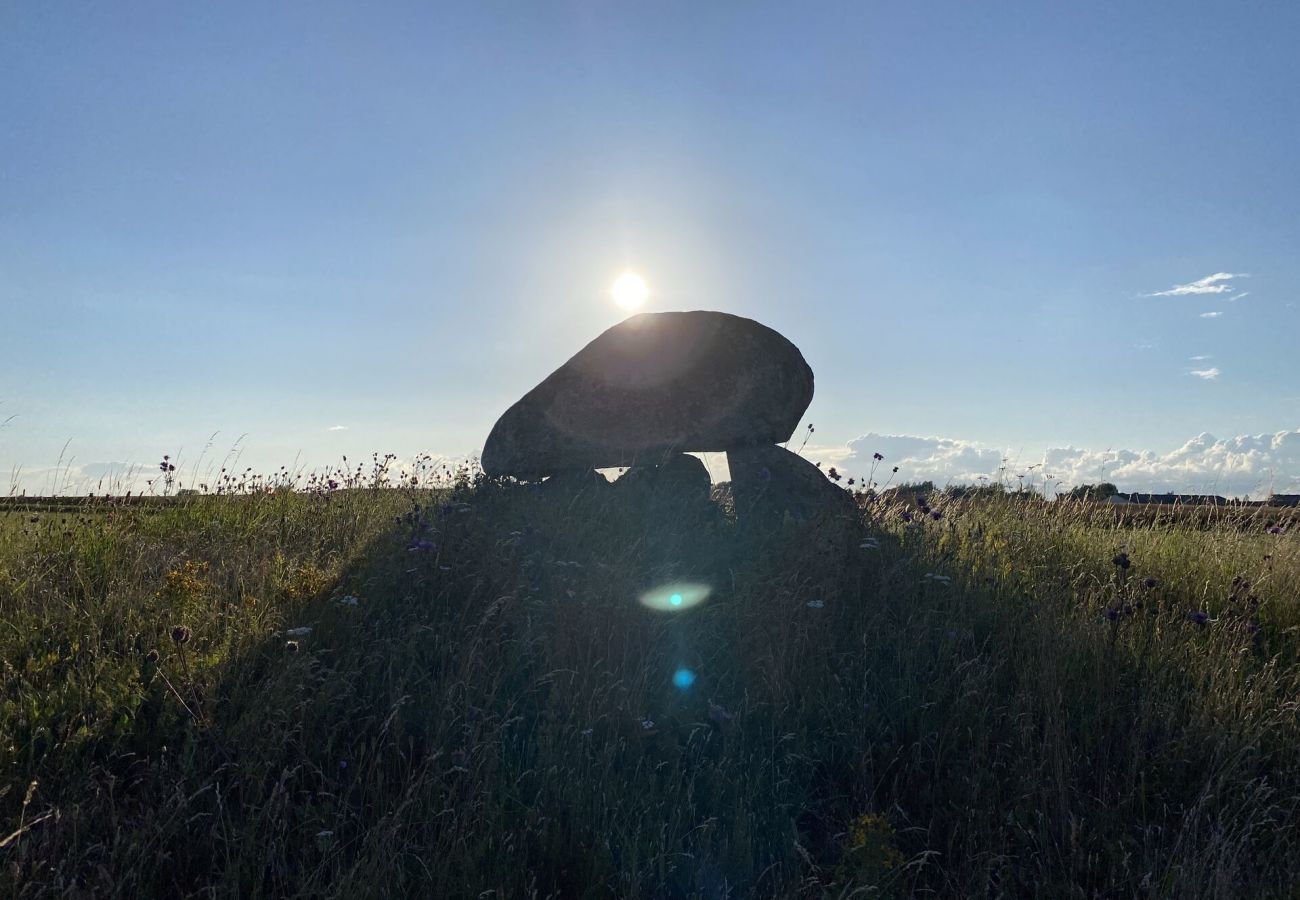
(1179, 499)
(1117, 499)
(1284, 499)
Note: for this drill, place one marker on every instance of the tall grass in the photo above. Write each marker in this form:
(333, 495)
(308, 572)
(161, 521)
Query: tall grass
(987, 703)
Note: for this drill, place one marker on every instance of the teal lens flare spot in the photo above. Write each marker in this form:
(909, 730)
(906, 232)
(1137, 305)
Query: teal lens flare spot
(683, 678)
(675, 600)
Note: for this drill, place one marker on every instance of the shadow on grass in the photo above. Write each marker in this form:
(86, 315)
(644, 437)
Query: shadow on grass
(498, 712)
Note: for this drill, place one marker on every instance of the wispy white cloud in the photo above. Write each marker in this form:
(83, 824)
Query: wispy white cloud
(1206, 374)
(337, 428)
(1212, 315)
(1210, 284)
(1236, 297)
(1236, 466)
(1200, 358)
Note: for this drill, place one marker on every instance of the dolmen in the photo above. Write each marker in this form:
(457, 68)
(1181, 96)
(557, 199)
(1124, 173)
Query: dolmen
(659, 385)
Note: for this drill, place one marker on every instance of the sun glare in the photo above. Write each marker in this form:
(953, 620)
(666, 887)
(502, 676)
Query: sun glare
(629, 291)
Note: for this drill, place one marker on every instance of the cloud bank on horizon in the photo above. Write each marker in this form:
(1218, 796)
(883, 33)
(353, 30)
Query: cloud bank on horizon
(1244, 465)
(1253, 465)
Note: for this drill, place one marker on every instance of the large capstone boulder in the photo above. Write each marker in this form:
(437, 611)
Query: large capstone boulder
(656, 384)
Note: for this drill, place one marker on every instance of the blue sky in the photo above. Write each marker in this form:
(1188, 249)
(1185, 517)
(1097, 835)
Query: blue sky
(267, 221)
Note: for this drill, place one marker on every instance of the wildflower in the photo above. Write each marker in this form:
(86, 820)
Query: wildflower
(936, 515)
(181, 634)
(647, 724)
(877, 457)
(299, 631)
(291, 646)
(895, 470)
(833, 475)
(1150, 582)
(343, 763)
(1276, 529)
(421, 545)
(1121, 559)
(1112, 613)
(349, 600)
(1199, 618)
(1252, 628)
(816, 604)
(907, 516)
(152, 656)
(718, 714)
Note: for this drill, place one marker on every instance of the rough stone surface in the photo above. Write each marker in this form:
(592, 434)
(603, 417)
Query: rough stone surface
(769, 482)
(655, 384)
(680, 476)
(574, 483)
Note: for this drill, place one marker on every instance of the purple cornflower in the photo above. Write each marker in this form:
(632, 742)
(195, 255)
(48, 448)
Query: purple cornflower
(1276, 529)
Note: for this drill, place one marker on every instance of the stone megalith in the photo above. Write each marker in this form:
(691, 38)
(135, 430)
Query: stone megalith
(767, 483)
(654, 385)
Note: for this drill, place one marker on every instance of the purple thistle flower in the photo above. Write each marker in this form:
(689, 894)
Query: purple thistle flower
(877, 457)
(1150, 582)
(907, 516)
(1112, 613)
(1200, 618)
(1122, 560)
(936, 515)
(1276, 529)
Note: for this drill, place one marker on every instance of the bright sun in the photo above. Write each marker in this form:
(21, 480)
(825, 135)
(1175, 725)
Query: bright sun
(629, 291)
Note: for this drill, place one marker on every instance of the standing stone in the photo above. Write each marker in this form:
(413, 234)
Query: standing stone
(769, 482)
(679, 476)
(656, 384)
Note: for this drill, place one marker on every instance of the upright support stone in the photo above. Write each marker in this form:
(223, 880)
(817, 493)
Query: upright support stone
(768, 482)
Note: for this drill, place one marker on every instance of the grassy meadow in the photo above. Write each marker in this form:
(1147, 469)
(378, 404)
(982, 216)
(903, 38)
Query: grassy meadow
(450, 689)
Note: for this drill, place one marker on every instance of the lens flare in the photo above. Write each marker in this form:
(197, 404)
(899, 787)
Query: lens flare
(683, 678)
(675, 597)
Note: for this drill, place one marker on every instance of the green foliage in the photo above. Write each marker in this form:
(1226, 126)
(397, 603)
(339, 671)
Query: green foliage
(381, 692)
(1094, 492)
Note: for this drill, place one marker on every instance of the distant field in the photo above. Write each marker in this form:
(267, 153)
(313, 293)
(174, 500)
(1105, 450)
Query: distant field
(998, 698)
